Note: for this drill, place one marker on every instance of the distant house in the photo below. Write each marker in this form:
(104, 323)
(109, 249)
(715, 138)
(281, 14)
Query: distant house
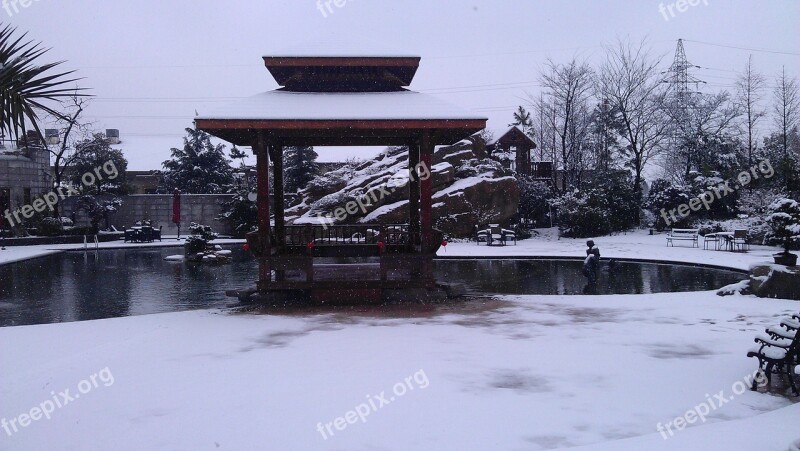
(143, 182)
(24, 173)
(513, 148)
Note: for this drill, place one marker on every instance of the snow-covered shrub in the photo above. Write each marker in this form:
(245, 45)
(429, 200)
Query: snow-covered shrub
(608, 205)
(756, 202)
(533, 199)
(240, 213)
(198, 241)
(578, 217)
(784, 219)
(721, 207)
(98, 210)
(647, 218)
(50, 227)
(665, 195)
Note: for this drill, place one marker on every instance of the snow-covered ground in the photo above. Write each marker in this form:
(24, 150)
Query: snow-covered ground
(526, 372)
(512, 373)
(13, 254)
(635, 245)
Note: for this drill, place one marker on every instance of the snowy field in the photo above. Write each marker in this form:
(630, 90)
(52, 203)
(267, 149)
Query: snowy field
(512, 373)
(635, 245)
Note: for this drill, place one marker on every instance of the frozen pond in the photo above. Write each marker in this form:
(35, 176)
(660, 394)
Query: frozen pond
(114, 283)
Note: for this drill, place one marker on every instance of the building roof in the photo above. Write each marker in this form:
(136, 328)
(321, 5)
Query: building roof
(341, 46)
(512, 135)
(338, 106)
(332, 101)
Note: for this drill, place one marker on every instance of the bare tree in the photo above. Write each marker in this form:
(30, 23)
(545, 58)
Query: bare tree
(71, 130)
(567, 90)
(786, 108)
(749, 91)
(630, 80)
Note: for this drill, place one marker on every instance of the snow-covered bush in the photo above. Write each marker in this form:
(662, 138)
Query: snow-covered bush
(721, 207)
(665, 195)
(533, 199)
(198, 241)
(608, 205)
(579, 217)
(50, 226)
(756, 202)
(240, 213)
(784, 219)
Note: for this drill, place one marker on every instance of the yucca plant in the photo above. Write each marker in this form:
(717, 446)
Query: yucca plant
(25, 85)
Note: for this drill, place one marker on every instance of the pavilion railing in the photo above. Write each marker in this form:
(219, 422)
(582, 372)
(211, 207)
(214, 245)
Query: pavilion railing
(348, 234)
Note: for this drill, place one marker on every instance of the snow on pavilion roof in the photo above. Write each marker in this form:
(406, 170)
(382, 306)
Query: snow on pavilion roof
(341, 106)
(341, 47)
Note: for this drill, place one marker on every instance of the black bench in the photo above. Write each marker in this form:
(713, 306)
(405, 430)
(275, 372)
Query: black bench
(779, 352)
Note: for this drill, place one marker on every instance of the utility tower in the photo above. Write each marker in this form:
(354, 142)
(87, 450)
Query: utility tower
(679, 79)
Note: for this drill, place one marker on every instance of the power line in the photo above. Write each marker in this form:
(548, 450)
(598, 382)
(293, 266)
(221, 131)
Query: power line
(743, 48)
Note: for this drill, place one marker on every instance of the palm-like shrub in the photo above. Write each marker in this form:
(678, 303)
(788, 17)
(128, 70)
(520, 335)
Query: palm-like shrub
(25, 84)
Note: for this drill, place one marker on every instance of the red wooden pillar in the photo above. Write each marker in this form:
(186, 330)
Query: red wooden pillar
(414, 194)
(276, 154)
(262, 174)
(426, 191)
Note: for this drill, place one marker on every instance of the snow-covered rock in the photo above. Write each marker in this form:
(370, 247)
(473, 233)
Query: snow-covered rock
(467, 191)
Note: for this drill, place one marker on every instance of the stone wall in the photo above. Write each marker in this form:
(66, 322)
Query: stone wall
(24, 174)
(200, 208)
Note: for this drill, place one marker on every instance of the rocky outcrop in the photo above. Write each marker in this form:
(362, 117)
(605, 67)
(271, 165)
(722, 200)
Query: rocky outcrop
(467, 191)
(775, 281)
(768, 281)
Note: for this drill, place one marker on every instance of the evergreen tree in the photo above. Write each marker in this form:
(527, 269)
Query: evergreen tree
(94, 153)
(522, 119)
(299, 168)
(198, 168)
(605, 131)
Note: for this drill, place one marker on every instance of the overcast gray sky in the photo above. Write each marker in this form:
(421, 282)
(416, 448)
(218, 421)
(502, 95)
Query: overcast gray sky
(151, 64)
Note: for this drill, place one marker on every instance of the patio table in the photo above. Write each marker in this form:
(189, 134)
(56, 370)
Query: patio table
(728, 237)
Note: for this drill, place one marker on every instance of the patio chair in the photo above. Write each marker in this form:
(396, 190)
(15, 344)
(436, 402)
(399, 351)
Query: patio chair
(481, 236)
(508, 235)
(496, 234)
(740, 239)
(711, 238)
(147, 234)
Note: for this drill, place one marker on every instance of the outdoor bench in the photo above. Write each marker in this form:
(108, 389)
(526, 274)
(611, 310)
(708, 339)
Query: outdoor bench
(683, 235)
(778, 353)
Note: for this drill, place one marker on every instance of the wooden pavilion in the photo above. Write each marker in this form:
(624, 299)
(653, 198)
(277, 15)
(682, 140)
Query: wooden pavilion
(343, 101)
